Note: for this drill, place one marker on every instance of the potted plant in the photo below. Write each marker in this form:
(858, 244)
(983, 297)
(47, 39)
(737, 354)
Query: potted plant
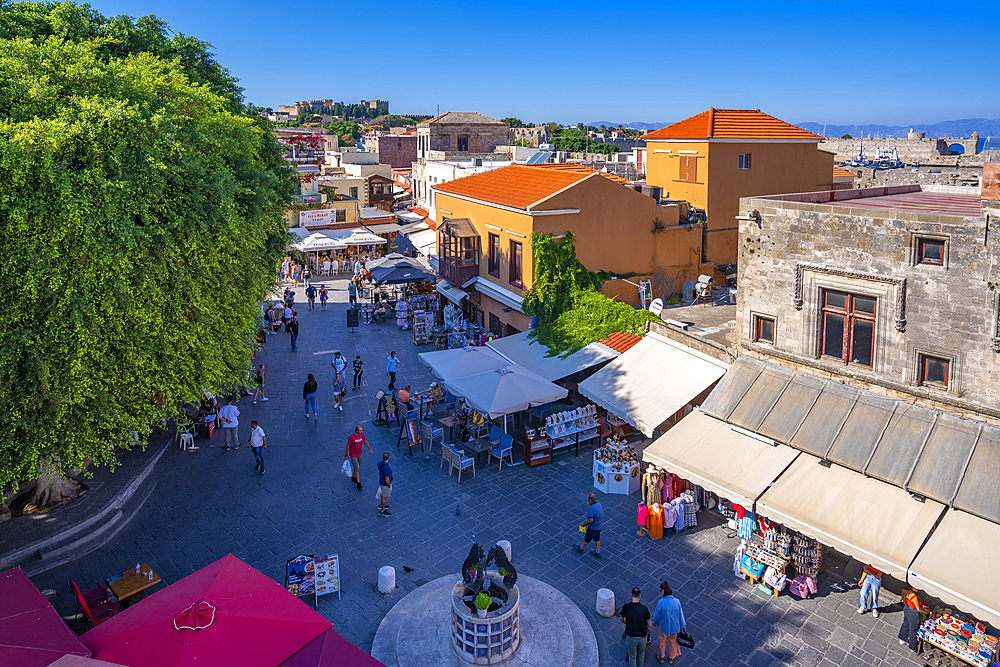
(473, 571)
(502, 572)
(482, 602)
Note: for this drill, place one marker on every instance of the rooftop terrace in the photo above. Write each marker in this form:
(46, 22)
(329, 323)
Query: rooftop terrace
(900, 198)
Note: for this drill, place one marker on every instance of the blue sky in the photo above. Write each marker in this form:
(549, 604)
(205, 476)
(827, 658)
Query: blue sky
(832, 62)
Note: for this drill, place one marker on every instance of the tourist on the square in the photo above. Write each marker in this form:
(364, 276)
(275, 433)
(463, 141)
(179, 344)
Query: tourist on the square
(911, 618)
(391, 364)
(259, 382)
(352, 292)
(311, 296)
(286, 314)
(593, 524)
(339, 389)
(307, 275)
(359, 370)
(229, 416)
(338, 362)
(309, 396)
(355, 444)
(295, 274)
(384, 484)
(257, 442)
(403, 397)
(871, 584)
(323, 296)
(669, 618)
(638, 626)
(286, 266)
(292, 327)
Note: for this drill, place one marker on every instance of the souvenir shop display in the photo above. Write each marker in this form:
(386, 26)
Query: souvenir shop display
(402, 315)
(807, 554)
(616, 467)
(572, 427)
(537, 448)
(953, 636)
(422, 322)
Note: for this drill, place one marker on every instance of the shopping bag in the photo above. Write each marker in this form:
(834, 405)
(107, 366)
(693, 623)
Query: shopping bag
(685, 640)
(347, 469)
(378, 494)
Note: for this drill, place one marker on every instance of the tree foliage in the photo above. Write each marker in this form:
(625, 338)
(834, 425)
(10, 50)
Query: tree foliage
(141, 223)
(344, 128)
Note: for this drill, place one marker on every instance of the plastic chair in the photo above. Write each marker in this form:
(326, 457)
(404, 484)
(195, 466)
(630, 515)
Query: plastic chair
(505, 448)
(187, 440)
(428, 432)
(461, 461)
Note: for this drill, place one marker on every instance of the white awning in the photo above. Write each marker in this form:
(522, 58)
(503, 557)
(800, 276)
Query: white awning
(383, 228)
(425, 241)
(961, 565)
(531, 354)
(651, 381)
(860, 516)
(504, 391)
(495, 292)
(361, 237)
(713, 454)
(450, 292)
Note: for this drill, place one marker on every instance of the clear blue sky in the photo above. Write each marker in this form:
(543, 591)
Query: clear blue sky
(837, 62)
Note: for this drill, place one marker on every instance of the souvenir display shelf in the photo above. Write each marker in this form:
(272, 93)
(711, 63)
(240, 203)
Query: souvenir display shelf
(616, 467)
(537, 450)
(402, 315)
(807, 554)
(422, 322)
(956, 637)
(573, 427)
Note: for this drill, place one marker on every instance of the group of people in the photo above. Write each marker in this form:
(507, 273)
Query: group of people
(667, 618)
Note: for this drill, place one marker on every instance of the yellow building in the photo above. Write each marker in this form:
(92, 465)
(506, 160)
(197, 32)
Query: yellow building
(720, 155)
(485, 223)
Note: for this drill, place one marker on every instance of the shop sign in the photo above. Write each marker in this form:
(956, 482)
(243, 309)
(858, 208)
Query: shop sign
(328, 575)
(323, 216)
(300, 575)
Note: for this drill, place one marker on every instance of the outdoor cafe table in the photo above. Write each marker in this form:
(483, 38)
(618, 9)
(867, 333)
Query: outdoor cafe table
(449, 423)
(131, 583)
(478, 445)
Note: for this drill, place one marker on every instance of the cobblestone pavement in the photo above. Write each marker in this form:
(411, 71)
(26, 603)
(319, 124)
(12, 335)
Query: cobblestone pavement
(209, 502)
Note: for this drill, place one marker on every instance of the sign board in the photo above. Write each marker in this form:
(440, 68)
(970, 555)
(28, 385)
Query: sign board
(656, 307)
(300, 575)
(328, 575)
(318, 216)
(352, 318)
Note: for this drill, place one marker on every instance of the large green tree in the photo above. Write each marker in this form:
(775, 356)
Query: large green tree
(140, 223)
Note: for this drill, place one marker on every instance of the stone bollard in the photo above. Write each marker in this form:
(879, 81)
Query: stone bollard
(606, 602)
(387, 579)
(505, 545)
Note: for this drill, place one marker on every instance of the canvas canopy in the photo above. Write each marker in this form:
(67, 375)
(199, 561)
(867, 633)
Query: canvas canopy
(32, 634)
(330, 649)
(462, 361)
(504, 391)
(450, 292)
(531, 354)
(651, 381)
(361, 237)
(317, 242)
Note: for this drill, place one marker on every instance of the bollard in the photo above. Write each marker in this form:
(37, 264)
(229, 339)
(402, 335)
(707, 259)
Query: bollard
(505, 545)
(386, 579)
(606, 602)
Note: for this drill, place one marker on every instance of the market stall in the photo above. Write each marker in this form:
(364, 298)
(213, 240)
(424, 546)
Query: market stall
(503, 391)
(616, 467)
(461, 362)
(533, 355)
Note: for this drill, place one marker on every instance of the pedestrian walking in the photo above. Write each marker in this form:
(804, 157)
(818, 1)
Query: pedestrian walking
(229, 416)
(384, 485)
(339, 390)
(356, 443)
(593, 524)
(669, 618)
(871, 584)
(638, 626)
(323, 296)
(286, 269)
(352, 292)
(287, 314)
(259, 382)
(359, 370)
(309, 396)
(391, 364)
(293, 330)
(307, 276)
(911, 618)
(295, 274)
(339, 363)
(311, 296)
(257, 442)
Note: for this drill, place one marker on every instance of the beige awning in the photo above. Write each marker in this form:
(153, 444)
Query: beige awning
(860, 516)
(961, 565)
(712, 454)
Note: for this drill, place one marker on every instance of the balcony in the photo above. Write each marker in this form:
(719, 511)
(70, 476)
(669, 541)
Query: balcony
(458, 250)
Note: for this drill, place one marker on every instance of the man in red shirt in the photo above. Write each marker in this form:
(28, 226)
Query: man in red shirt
(355, 444)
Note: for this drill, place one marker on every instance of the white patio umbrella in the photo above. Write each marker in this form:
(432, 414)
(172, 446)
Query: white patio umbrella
(463, 361)
(504, 391)
(318, 243)
(361, 237)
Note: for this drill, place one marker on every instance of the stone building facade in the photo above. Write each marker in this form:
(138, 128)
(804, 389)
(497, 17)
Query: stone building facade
(398, 150)
(889, 289)
(454, 132)
(531, 136)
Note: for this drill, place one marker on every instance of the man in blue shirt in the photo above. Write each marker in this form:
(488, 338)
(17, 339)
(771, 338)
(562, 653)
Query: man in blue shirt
(593, 524)
(384, 484)
(391, 364)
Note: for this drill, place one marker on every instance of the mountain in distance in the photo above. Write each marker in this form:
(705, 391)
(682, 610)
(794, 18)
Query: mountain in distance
(947, 129)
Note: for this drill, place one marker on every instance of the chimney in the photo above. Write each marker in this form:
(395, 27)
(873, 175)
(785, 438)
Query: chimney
(990, 197)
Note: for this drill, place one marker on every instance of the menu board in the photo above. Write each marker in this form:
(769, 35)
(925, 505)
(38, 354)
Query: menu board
(300, 575)
(328, 575)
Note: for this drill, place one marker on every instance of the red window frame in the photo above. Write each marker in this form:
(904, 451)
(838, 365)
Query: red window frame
(759, 329)
(515, 263)
(923, 360)
(494, 255)
(922, 253)
(851, 316)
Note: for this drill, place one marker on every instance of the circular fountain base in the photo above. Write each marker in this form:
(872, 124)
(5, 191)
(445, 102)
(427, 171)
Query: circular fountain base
(419, 631)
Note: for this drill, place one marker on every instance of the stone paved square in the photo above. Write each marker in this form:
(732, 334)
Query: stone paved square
(208, 502)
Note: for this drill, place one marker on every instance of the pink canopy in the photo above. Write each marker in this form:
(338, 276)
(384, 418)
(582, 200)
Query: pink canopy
(32, 634)
(331, 650)
(225, 615)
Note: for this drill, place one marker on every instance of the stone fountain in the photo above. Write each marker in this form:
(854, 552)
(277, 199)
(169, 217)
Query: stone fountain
(495, 635)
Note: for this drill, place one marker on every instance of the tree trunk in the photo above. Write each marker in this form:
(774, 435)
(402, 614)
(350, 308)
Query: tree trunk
(51, 489)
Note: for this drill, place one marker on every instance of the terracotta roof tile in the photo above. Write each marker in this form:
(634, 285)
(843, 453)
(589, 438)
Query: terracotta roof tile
(577, 167)
(732, 124)
(517, 186)
(839, 174)
(620, 341)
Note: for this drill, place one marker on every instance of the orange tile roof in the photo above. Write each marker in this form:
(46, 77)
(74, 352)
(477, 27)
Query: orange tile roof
(582, 168)
(842, 173)
(517, 186)
(620, 341)
(732, 124)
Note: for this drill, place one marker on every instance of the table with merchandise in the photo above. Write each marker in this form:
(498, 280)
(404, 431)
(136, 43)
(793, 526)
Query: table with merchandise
(954, 637)
(616, 467)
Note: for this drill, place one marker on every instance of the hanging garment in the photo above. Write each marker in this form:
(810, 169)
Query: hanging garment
(678, 504)
(739, 511)
(667, 489)
(669, 515)
(654, 522)
(678, 486)
(736, 561)
(745, 526)
(641, 514)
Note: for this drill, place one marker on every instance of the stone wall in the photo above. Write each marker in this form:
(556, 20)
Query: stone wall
(909, 150)
(480, 138)
(870, 178)
(396, 150)
(950, 311)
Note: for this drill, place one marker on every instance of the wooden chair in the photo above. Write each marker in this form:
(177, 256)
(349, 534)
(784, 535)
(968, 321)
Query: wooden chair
(495, 436)
(98, 609)
(428, 432)
(448, 404)
(504, 448)
(446, 454)
(461, 461)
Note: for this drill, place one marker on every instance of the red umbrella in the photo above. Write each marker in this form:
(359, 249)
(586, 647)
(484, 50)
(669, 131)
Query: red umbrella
(32, 634)
(225, 614)
(331, 650)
